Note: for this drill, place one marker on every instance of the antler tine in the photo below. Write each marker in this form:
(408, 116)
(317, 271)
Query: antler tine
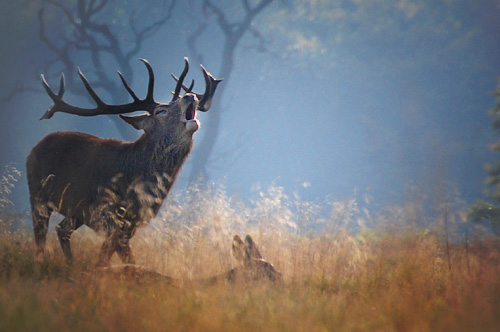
(151, 83)
(181, 79)
(61, 86)
(90, 90)
(49, 113)
(183, 86)
(49, 91)
(127, 87)
(55, 98)
(210, 86)
(188, 90)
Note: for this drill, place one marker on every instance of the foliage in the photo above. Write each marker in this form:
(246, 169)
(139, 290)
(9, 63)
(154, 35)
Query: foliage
(97, 30)
(9, 219)
(7, 182)
(484, 210)
(313, 29)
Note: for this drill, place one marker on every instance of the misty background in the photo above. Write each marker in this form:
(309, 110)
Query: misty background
(383, 101)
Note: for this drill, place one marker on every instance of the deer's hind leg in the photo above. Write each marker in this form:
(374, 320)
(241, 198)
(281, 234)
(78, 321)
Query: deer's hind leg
(123, 246)
(64, 230)
(41, 215)
(108, 248)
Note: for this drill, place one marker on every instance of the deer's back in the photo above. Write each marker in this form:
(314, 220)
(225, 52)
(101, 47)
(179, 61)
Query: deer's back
(67, 168)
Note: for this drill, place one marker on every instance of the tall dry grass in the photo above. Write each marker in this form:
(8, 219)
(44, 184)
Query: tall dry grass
(384, 279)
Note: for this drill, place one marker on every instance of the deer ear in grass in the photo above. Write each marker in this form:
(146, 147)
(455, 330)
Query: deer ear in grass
(238, 249)
(251, 250)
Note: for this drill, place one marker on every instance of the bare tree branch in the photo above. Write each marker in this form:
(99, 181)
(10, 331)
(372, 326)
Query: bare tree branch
(236, 30)
(221, 18)
(93, 9)
(233, 32)
(88, 34)
(65, 11)
(191, 43)
(62, 54)
(148, 31)
(18, 89)
(98, 38)
(246, 5)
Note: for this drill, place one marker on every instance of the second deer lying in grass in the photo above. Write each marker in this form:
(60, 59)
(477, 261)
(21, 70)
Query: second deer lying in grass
(252, 267)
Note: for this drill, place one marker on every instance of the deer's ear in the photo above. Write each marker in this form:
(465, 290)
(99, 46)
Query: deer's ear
(251, 250)
(137, 121)
(237, 249)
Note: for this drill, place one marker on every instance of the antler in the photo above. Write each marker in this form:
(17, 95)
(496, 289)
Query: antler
(210, 86)
(146, 104)
(181, 79)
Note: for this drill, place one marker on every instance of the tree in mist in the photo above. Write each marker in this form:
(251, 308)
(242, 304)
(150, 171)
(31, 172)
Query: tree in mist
(98, 31)
(490, 210)
(232, 32)
(90, 27)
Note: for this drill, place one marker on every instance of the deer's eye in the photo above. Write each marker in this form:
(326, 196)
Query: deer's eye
(160, 111)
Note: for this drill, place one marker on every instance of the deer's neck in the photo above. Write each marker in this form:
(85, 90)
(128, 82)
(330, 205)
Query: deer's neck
(169, 155)
(162, 157)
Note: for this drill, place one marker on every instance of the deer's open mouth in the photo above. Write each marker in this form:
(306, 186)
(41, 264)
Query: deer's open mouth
(191, 112)
(190, 121)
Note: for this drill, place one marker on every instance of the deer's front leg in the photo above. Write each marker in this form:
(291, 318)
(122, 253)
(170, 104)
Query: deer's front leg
(107, 249)
(123, 247)
(64, 230)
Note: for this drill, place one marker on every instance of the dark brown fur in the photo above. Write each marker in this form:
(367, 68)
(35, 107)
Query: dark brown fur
(109, 184)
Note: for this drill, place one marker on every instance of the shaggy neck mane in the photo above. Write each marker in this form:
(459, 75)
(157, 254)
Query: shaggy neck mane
(160, 158)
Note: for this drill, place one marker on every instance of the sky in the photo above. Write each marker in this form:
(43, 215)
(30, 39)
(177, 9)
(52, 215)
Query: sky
(331, 100)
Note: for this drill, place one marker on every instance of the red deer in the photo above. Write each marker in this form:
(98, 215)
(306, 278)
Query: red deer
(108, 184)
(251, 267)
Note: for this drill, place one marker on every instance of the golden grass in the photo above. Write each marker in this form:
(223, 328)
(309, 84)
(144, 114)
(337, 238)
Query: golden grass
(333, 281)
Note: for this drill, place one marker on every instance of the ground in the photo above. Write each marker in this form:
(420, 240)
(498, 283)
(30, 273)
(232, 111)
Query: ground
(371, 281)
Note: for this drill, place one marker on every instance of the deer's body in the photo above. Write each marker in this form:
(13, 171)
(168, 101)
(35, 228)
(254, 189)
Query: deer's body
(78, 167)
(109, 184)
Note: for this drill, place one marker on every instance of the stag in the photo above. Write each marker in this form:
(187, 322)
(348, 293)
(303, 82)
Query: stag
(108, 184)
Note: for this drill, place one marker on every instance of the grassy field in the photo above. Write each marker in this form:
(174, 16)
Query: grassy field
(406, 280)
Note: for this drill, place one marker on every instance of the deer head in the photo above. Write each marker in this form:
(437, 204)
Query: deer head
(253, 266)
